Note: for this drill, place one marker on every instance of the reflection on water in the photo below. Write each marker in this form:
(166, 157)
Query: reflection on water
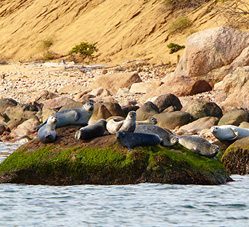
(126, 205)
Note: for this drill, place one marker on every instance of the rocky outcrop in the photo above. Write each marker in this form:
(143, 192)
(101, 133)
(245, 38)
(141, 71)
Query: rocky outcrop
(220, 48)
(104, 161)
(236, 157)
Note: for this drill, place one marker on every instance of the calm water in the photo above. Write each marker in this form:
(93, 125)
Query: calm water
(125, 205)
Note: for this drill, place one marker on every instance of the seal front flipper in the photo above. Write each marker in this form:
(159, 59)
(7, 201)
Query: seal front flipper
(76, 115)
(236, 134)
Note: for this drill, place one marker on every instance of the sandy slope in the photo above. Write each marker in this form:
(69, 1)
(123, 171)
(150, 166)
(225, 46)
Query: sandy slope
(122, 30)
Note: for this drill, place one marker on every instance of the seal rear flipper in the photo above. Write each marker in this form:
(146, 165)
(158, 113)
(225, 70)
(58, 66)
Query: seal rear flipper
(78, 135)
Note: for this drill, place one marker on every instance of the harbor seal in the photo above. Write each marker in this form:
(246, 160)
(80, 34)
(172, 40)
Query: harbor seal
(46, 133)
(78, 116)
(149, 121)
(168, 138)
(132, 139)
(96, 129)
(126, 125)
(229, 132)
(199, 145)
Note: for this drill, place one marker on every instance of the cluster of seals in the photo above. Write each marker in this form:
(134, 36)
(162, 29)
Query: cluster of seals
(46, 133)
(229, 132)
(132, 139)
(96, 129)
(126, 125)
(199, 145)
(78, 116)
(168, 138)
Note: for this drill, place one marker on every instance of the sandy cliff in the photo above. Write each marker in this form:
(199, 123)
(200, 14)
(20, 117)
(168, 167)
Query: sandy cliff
(122, 30)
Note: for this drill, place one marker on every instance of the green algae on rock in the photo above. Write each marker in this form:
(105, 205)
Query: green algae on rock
(236, 157)
(109, 164)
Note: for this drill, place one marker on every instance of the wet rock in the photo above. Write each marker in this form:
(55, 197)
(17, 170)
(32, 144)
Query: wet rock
(69, 162)
(236, 157)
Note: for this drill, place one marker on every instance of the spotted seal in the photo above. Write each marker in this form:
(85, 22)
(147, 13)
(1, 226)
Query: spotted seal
(78, 116)
(199, 145)
(46, 133)
(126, 125)
(149, 121)
(229, 132)
(132, 139)
(168, 138)
(96, 129)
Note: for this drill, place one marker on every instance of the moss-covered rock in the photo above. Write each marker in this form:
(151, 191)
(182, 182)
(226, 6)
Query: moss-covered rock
(236, 157)
(104, 161)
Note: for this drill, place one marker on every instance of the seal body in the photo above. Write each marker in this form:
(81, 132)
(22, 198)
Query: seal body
(229, 132)
(132, 139)
(46, 133)
(126, 125)
(96, 129)
(168, 138)
(78, 116)
(199, 145)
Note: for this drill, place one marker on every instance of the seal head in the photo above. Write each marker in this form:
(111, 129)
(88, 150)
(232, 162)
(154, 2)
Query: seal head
(46, 133)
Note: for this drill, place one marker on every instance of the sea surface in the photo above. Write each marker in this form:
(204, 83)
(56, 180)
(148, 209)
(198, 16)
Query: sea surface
(124, 205)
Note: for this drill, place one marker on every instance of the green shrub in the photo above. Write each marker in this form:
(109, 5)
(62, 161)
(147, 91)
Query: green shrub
(85, 49)
(47, 43)
(174, 47)
(179, 24)
(49, 56)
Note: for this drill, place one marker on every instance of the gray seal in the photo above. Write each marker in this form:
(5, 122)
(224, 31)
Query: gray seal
(199, 145)
(78, 116)
(126, 125)
(46, 133)
(132, 139)
(169, 139)
(96, 129)
(229, 132)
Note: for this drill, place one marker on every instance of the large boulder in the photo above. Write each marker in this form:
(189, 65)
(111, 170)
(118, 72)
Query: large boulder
(171, 120)
(145, 87)
(234, 117)
(5, 103)
(19, 112)
(179, 86)
(208, 50)
(100, 112)
(235, 88)
(198, 125)
(167, 100)
(57, 103)
(113, 82)
(146, 110)
(199, 109)
(26, 128)
(104, 161)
